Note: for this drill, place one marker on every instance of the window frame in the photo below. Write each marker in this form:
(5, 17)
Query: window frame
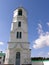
(20, 12)
(19, 35)
(19, 24)
(0, 57)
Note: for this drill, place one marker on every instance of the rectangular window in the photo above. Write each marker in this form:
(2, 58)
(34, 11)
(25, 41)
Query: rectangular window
(19, 35)
(0, 57)
(20, 12)
(19, 24)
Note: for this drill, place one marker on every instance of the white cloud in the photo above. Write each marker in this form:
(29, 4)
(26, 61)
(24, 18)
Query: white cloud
(48, 23)
(1, 43)
(48, 53)
(40, 31)
(42, 40)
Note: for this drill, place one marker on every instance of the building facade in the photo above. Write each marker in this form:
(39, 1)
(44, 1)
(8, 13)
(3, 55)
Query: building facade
(18, 52)
(2, 57)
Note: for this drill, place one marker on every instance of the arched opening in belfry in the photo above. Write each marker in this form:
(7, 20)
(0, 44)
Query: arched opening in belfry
(20, 12)
(18, 58)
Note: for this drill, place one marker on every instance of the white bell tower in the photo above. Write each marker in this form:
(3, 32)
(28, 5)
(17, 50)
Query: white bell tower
(18, 52)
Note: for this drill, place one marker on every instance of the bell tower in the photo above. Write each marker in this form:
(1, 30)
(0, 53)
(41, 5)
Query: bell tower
(18, 52)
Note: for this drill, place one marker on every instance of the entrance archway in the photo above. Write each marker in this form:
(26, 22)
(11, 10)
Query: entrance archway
(18, 58)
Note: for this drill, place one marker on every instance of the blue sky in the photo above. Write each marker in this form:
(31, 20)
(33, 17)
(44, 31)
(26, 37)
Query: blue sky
(38, 24)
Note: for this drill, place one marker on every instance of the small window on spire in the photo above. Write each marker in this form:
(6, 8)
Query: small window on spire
(19, 24)
(20, 12)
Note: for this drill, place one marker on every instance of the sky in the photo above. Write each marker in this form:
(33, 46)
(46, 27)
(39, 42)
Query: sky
(38, 24)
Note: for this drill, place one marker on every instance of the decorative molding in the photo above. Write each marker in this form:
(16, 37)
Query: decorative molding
(18, 30)
(19, 42)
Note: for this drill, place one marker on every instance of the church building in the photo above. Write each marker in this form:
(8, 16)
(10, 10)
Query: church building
(18, 52)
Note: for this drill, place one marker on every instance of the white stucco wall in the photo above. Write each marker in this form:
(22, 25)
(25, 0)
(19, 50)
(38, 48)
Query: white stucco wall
(23, 14)
(16, 44)
(40, 62)
(37, 63)
(46, 62)
(23, 28)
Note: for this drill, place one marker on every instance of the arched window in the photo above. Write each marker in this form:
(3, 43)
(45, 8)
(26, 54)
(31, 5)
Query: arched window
(19, 24)
(18, 58)
(20, 12)
(19, 35)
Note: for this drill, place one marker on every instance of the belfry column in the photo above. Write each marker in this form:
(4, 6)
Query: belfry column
(18, 51)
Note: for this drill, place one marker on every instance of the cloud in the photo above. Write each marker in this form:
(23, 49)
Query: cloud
(42, 40)
(1, 43)
(48, 23)
(40, 31)
(48, 53)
